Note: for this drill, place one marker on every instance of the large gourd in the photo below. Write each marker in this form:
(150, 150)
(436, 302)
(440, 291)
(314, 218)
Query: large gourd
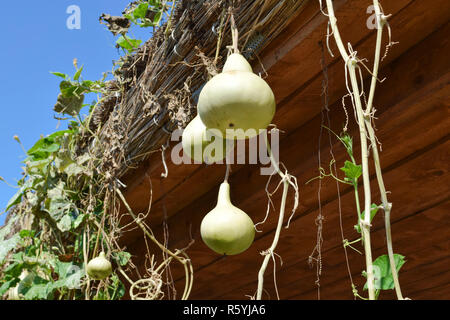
(227, 229)
(237, 99)
(200, 143)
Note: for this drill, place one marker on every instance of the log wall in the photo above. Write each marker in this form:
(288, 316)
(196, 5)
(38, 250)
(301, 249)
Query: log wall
(412, 125)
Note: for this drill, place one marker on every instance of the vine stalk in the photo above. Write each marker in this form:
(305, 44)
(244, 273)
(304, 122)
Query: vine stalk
(387, 206)
(367, 131)
(185, 261)
(351, 64)
(286, 180)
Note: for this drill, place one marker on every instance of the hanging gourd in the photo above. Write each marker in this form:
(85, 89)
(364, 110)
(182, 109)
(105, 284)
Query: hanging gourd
(99, 268)
(236, 99)
(202, 145)
(227, 229)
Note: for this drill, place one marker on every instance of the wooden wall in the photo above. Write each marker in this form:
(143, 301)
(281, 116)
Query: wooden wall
(412, 125)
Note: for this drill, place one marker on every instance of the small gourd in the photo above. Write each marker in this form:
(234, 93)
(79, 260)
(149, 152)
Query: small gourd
(237, 99)
(202, 144)
(99, 268)
(227, 229)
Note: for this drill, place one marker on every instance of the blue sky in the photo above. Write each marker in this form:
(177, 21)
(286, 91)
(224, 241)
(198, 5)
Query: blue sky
(34, 42)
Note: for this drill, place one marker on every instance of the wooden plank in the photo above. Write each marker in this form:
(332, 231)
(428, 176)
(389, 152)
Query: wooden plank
(435, 293)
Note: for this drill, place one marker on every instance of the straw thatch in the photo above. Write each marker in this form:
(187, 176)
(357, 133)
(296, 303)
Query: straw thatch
(161, 81)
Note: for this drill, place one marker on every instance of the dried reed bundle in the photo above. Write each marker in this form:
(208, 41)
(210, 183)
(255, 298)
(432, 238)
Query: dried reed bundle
(162, 80)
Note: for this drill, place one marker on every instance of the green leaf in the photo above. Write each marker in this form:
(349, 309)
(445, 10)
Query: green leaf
(39, 165)
(123, 257)
(128, 43)
(26, 234)
(39, 291)
(15, 199)
(58, 205)
(65, 223)
(59, 74)
(88, 85)
(45, 146)
(129, 16)
(78, 74)
(70, 221)
(73, 169)
(140, 11)
(6, 229)
(347, 141)
(116, 289)
(157, 17)
(7, 285)
(33, 287)
(382, 271)
(79, 220)
(7, 245)
(69, 103)
(373, 211)
(352, 171)
(155, 3)
(64, 85)
(69, 275)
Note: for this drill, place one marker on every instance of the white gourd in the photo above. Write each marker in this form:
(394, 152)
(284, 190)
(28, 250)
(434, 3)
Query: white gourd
(99, 268)
(202, 144)
(227, 229)
(237, 99)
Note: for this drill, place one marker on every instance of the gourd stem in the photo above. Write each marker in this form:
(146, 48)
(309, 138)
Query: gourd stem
(85, 257)
(227, 173)
(269, 253)
(184, 261)
(387, 213)
(234, 34)
(169, 22)
(376, 63)
(351, 63)
(386, 205)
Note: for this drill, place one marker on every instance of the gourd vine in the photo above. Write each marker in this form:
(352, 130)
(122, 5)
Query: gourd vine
(61, 237)
(387, 267)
